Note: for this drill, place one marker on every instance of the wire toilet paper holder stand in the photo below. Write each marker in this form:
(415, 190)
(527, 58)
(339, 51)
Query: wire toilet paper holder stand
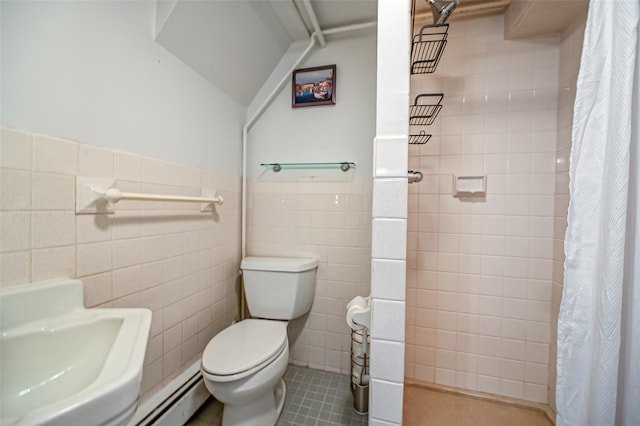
(359, 320)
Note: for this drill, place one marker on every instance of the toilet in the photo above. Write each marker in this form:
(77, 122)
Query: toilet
(244, 364)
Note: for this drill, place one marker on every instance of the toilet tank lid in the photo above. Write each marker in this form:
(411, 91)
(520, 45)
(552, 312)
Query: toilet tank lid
(284, 264)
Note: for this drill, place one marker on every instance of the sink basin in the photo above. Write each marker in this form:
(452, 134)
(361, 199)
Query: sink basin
(63, 364)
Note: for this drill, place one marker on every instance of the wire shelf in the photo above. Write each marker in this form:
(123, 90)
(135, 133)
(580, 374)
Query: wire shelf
(425, 109)
(427, 48)
(419, 139)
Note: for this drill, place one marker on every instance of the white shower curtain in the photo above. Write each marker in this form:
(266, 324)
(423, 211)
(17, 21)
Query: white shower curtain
(599, 323)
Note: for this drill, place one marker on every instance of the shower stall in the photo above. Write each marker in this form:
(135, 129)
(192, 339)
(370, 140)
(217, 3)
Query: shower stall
(484, 269)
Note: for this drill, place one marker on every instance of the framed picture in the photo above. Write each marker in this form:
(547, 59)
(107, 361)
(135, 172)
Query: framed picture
(314, 86)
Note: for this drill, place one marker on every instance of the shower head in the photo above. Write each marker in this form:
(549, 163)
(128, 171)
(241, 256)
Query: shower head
(441, 9)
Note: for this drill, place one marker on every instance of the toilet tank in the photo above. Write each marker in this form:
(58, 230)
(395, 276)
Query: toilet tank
(279, 287)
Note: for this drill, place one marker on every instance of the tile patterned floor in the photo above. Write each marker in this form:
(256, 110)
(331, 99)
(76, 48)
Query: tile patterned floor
(314, 398)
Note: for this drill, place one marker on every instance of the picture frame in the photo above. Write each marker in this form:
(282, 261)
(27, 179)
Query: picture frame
(313, 86)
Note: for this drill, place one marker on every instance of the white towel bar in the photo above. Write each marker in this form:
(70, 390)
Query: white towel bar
(97, 196)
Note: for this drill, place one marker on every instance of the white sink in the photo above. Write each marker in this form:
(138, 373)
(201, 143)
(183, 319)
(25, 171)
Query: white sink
(62, 364)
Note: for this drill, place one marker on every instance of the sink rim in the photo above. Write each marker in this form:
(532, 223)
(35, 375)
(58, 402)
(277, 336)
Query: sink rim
(114, 392)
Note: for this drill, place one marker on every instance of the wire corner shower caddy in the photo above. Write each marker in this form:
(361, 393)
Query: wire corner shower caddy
(427, 45)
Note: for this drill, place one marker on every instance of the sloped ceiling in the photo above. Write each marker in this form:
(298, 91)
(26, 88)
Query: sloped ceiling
(236, 44)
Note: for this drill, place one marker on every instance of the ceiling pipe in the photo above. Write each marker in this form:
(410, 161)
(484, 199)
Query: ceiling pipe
(314, 22)
(347, 28)
(251, 120)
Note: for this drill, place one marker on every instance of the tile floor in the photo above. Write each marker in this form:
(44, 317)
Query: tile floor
(314, 398)
(317, 397)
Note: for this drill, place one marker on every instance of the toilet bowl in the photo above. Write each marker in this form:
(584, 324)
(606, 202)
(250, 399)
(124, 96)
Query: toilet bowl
(244, 364)
(243, 368)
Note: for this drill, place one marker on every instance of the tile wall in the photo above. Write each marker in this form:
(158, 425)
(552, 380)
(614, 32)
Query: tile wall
(327, 218)
(479, 270)
(168, 257)
(570, 52)
(389, 212)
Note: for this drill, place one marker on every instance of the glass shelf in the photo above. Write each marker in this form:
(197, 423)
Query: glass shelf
(345, 166)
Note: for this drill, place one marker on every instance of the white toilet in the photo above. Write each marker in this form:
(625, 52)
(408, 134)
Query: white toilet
(244, 364)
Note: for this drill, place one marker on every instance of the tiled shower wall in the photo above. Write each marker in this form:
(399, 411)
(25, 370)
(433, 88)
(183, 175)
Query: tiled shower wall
(168, 257)
(479, 270)
(326, 218)
(570, 51)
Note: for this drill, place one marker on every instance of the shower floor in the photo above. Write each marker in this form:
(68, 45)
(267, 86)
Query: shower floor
(314, 397)
(428, 407)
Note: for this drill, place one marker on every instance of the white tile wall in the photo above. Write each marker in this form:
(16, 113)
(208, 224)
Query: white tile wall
(295, 215)
(479, 270)
(172, 259)
(389, 231)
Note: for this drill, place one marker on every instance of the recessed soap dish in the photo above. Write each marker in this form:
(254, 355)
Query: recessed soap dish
(469, 186)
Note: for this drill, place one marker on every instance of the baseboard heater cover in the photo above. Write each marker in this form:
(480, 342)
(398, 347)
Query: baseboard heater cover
(180, 406)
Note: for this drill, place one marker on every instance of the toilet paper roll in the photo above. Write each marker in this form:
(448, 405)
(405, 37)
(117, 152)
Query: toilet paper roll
(359, 313)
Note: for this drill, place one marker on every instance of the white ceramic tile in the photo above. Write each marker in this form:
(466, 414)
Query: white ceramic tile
(154, 171)
(53, 263)
(15, 268)
(538, 311)
(175, 174)
(389, 196)
(388, 319)
(93, 258)
(127, 167)
(536, 393)
(15, 189)
(384, 361)
(52, 228)
(512, 388)
(387, 279)
(390, 157)
(538, 332)
(97, 289)
(153, 248)
(377, 422)
(54, 155)
(15, 149)
(389, 239)
(53, 192)
(386, 401)
(95, 162)
(126, 253)
(15, 228)
(126, 281)
(93, 228)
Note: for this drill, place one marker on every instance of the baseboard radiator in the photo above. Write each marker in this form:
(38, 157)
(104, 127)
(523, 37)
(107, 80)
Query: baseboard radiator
(173, 408)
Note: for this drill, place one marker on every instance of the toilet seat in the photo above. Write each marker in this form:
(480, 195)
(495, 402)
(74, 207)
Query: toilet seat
(245, 347)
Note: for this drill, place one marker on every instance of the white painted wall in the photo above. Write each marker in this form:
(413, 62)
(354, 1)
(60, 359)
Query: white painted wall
(91, 72)
(343, 132)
